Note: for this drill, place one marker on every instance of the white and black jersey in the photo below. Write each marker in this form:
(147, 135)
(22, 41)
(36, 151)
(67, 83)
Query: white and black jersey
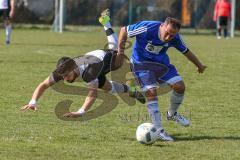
(93, 66)
(4, 4)
(5, 8)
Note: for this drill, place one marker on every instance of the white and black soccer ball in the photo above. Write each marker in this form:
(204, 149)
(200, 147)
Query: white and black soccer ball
(146, 133)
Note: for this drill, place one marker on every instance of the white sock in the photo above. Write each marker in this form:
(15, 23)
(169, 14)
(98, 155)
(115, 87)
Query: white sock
(154, 113)
(107, 26)
(175, 101)
(112, 38)
(8, 32)
(118, 87)
(112, 41)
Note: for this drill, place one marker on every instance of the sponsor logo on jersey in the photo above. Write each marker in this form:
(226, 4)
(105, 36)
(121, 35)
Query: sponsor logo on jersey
(153, 49)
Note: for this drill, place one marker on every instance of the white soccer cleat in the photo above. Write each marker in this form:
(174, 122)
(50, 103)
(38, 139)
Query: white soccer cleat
(162, 135)
(179, 119)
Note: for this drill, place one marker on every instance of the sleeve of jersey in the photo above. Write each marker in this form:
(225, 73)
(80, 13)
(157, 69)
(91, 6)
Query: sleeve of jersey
(136, 29)
(180, 45)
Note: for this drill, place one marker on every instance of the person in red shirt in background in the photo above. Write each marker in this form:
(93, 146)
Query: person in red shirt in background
(222, 14)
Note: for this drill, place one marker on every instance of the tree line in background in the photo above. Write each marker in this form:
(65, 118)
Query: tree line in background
(86, 12)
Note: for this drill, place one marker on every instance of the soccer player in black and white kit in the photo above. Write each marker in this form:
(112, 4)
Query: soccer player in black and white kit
(90, 68)
(7, 11)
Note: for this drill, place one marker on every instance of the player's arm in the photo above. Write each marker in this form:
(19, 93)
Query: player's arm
(133, 30)
(12, 11)
(230, 8)
(215, 14)
(38, 92)
(191, 57)
(89, 101)
(91, 97)
(122, 38)
(181, 46)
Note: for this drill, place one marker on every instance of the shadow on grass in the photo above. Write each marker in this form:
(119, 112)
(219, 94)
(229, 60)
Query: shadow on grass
(199, 138)
(156, 144)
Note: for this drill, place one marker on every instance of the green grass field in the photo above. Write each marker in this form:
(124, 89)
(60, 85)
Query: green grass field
(212, 98)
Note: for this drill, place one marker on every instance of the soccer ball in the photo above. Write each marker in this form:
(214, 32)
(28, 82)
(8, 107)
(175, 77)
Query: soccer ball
(146, 133)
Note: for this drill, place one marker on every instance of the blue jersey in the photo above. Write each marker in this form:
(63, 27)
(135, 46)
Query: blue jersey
(148, 46)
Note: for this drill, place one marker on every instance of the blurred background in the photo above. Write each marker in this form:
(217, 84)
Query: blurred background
(192, 13)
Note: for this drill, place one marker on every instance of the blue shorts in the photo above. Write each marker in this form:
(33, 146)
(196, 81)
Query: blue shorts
(151, 74)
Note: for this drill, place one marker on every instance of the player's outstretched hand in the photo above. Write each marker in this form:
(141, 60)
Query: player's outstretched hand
(201, 68)
(28, 106)
(72, 114)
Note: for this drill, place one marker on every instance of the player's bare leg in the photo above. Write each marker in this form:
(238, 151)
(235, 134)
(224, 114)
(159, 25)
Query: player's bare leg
(111, 36)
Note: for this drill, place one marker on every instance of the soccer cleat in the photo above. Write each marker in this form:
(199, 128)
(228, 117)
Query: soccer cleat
(105, 17)
(106, 12)
(139, 96)
(179, 119)
(162, 135)
(7, 42)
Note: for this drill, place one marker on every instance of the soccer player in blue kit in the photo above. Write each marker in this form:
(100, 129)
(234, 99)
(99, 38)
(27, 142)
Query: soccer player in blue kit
(149, 58)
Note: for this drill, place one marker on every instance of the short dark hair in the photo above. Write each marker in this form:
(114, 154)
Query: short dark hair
(175, 23)
(65, 64)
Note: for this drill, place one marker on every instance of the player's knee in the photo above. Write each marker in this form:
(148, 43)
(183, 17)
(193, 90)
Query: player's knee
(179, 87)
(151, 95)
(7, 22)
